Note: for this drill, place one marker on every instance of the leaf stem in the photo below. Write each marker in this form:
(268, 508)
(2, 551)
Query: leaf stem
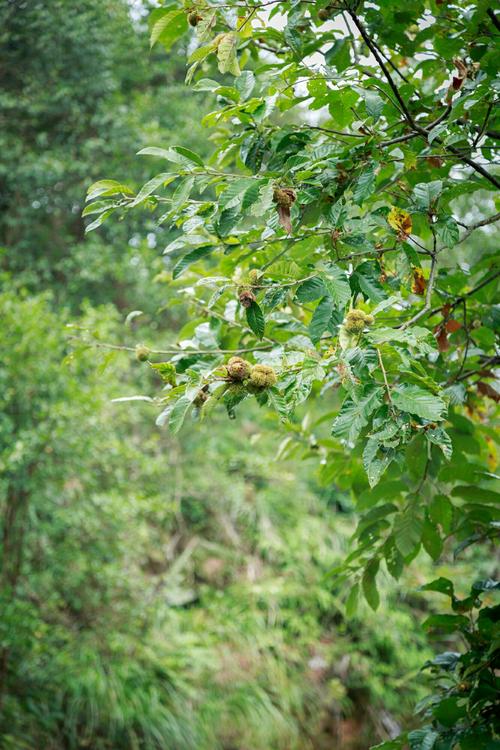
(381, 361)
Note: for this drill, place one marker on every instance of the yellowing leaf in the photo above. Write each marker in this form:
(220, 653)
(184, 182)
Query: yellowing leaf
(400, 221)
(245, 26)
(205, 26)
(226, 54)
(410, 160)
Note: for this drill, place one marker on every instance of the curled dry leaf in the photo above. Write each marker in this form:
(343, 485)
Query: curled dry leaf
(284, 199)
(419, 283)
(485, 389)
(442, 337)
(452, 325)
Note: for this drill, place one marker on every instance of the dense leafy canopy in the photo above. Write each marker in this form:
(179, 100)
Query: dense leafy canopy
(128, 556)
(329, 239)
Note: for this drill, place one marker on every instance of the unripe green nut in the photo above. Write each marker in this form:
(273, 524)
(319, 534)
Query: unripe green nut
(356, 321)
(238, 368)
(263, 376)
(200, 399)
(254, 276)
(142, 352)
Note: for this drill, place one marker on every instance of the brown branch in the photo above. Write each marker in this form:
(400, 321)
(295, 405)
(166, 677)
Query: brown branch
(473, 164)
(335, 132)
(485, 123)
(378, 57)
(394, 67)
(465, 296)
(483, 223)
(491, 361)
(406, 112)
(409, 136)
(467, 343)
(496, 22)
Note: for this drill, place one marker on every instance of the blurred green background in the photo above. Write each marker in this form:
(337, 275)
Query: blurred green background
(155, 592)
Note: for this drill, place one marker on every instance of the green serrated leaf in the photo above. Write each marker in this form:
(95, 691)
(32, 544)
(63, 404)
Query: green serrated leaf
(256, 320)
(440, 438)
(441, 512)
(100, 219)
(189, 155)
(274, 297)
(369, 584)
(103, 188)
(476, 494)
(415, 400)
(233, 195)
(408, 530)
(160, 180)
(196, 254)
(441, 585)
(365, 184)
(366, 279)
(354, 415)
(337, 285)
(245, 84)
(447, 231)
(168, 28)
(351, 605)
(178, 414)
(278, 402)
(374, 104)
(426, 193)
(431, 540)
(320, 319)
(310, 290)
(393, 558)
(422, 739)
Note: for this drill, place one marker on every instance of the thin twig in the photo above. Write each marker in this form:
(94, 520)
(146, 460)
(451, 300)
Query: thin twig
(483, 127)
(373, 49)
(119, 347)
(429, 126)
(495, 360)
(234, 323)
(467, 342)
(278, 255)
(406, 112)
(352, 38)
(482, 223)
(381, 361)
(462, 297)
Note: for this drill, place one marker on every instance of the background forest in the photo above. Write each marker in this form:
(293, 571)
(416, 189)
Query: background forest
(158, 591)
